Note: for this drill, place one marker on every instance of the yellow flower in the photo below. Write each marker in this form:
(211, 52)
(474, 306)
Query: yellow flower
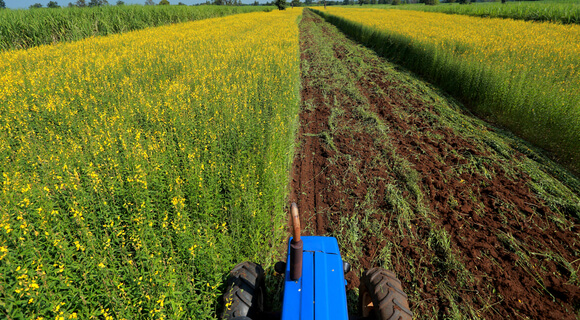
(100, 120)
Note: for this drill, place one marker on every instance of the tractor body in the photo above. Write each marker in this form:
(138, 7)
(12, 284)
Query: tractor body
(314, 285)
(320, 291)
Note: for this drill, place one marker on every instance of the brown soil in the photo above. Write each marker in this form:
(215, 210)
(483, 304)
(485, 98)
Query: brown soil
(510, 253)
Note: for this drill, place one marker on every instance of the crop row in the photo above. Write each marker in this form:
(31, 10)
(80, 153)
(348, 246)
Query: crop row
(522, 75)
(554, 11)
(27, 28)
(138, 168)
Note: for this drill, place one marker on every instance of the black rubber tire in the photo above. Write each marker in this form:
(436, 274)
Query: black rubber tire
(384, 290)
(245, 291)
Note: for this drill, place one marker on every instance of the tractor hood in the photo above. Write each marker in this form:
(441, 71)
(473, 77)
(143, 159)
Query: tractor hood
(320, 292)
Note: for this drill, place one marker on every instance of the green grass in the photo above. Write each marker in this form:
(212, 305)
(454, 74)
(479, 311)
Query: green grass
(553, 11)
(27, 28)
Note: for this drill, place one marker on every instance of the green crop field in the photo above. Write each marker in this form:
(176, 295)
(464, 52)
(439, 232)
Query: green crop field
(562, 11)
(519, 74)
(27, 28)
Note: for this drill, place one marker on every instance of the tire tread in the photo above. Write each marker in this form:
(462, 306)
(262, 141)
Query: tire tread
(386, 292)
(244, 285)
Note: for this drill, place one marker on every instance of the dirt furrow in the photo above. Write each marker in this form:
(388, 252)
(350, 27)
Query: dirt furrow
(407, 180)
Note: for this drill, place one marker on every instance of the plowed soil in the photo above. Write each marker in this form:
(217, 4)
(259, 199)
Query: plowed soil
(407, 180)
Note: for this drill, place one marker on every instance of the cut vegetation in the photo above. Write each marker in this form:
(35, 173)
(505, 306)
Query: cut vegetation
(475, 222)
(521, 75)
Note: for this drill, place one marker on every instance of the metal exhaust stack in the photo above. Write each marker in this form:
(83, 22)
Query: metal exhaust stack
(296, 245)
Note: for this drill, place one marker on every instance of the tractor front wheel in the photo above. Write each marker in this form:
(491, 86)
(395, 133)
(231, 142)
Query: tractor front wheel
(245, 290)
(381, 295)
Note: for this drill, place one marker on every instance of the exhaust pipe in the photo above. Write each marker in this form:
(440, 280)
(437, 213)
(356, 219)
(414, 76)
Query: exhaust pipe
(296, 245)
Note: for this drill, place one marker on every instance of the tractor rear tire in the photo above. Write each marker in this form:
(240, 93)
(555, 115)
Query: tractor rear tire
(381, 295)
(245, 291)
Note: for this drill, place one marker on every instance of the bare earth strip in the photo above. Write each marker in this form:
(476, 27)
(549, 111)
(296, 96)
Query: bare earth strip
(472, 220)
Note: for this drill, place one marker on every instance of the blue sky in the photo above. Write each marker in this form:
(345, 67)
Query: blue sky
(24, 4)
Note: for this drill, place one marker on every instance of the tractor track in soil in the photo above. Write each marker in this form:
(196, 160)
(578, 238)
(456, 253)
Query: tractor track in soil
(380, 167)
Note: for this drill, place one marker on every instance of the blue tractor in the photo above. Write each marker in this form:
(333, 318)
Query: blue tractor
(314, 285)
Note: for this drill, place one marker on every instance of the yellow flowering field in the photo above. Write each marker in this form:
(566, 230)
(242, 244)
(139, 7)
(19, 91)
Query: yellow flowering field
(137, 169)
(22, 29)
(524, 75)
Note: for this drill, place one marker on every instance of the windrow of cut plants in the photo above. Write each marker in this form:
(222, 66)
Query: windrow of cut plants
(521, 75)
(476, 223)
(21, 29)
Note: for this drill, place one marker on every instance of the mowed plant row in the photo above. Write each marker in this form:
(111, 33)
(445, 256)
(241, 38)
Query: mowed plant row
(21, 29)
(137, 169)
(475, 222)
(522, 75)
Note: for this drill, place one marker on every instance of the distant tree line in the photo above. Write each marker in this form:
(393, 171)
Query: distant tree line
(463, 1)
(79, 3)
(295, 3)
(393, 2)
(227, 2)
(98, 3)
(92, 3)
